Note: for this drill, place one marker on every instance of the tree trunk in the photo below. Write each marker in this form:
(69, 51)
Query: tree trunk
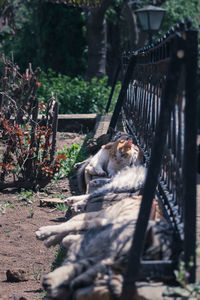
(97, 40)
(131, 23)
(113, 47)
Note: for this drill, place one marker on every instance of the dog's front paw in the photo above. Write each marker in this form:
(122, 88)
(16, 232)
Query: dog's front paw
(73, 199)
(95, 171)
(69, 201)
(43, 233)
(101, 173)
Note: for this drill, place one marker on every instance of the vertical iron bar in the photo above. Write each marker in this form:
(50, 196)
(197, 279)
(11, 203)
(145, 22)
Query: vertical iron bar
(153, 111)
(190, 151)
(54, 130)
(122, 93)
(145, 124)
(153, 170)
(113, 88)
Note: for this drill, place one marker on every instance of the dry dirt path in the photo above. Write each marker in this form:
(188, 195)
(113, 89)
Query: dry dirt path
(19, 248)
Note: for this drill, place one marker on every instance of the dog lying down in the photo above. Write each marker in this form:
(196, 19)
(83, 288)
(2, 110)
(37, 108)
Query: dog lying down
(98, 242)
(108, 161)
(128, 181)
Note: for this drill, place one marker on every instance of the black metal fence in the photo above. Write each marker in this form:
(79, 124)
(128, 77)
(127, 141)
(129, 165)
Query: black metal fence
(157, 103)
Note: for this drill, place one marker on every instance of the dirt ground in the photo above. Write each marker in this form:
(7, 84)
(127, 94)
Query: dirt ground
(19, 248)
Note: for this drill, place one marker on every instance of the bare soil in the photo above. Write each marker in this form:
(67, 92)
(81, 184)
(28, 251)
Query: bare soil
(19, 248)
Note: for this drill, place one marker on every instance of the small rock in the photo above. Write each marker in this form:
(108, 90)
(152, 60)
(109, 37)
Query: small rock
(16, 275)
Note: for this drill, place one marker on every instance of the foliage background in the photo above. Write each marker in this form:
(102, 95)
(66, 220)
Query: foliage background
(75, 95)
(53, 36)
(48, 35)
(181, 10)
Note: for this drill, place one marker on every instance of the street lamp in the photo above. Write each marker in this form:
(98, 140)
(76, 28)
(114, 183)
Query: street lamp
(150, 18)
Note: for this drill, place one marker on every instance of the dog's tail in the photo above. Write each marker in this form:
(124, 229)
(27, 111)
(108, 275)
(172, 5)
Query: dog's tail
(81, 175)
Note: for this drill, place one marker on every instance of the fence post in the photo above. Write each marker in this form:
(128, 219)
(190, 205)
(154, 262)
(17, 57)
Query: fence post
(122, 93)
(190, 159)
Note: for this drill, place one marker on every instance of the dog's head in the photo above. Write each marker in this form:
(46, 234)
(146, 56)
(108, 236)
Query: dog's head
(137, 155)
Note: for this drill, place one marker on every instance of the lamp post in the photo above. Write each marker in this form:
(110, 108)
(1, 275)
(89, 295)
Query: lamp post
(150, 18)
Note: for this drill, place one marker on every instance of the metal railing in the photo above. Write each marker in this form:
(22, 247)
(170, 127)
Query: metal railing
(157, 103)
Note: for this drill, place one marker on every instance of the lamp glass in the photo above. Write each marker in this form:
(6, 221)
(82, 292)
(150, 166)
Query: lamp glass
(155, 19)
(143, 18)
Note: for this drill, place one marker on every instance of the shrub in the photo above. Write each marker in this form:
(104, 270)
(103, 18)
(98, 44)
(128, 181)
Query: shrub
(76, 95)
(27, 157)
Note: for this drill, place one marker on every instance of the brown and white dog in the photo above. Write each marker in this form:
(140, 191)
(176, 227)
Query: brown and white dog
(108, 161)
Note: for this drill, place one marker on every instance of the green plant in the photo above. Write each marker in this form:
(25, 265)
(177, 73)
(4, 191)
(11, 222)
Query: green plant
(5, 205)
(61, 207)
(7, 232)
(185, 289)
(70, 156)
(77, 95)
(37, 272)
(61, 196)
(2, 209)
(26, 196)
(31, 212)
(60, 255)
(8, 204)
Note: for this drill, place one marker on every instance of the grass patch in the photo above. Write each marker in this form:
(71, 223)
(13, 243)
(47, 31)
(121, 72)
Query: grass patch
(60, 255)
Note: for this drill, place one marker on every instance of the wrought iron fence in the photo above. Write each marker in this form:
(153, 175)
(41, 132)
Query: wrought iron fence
(157, 102)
